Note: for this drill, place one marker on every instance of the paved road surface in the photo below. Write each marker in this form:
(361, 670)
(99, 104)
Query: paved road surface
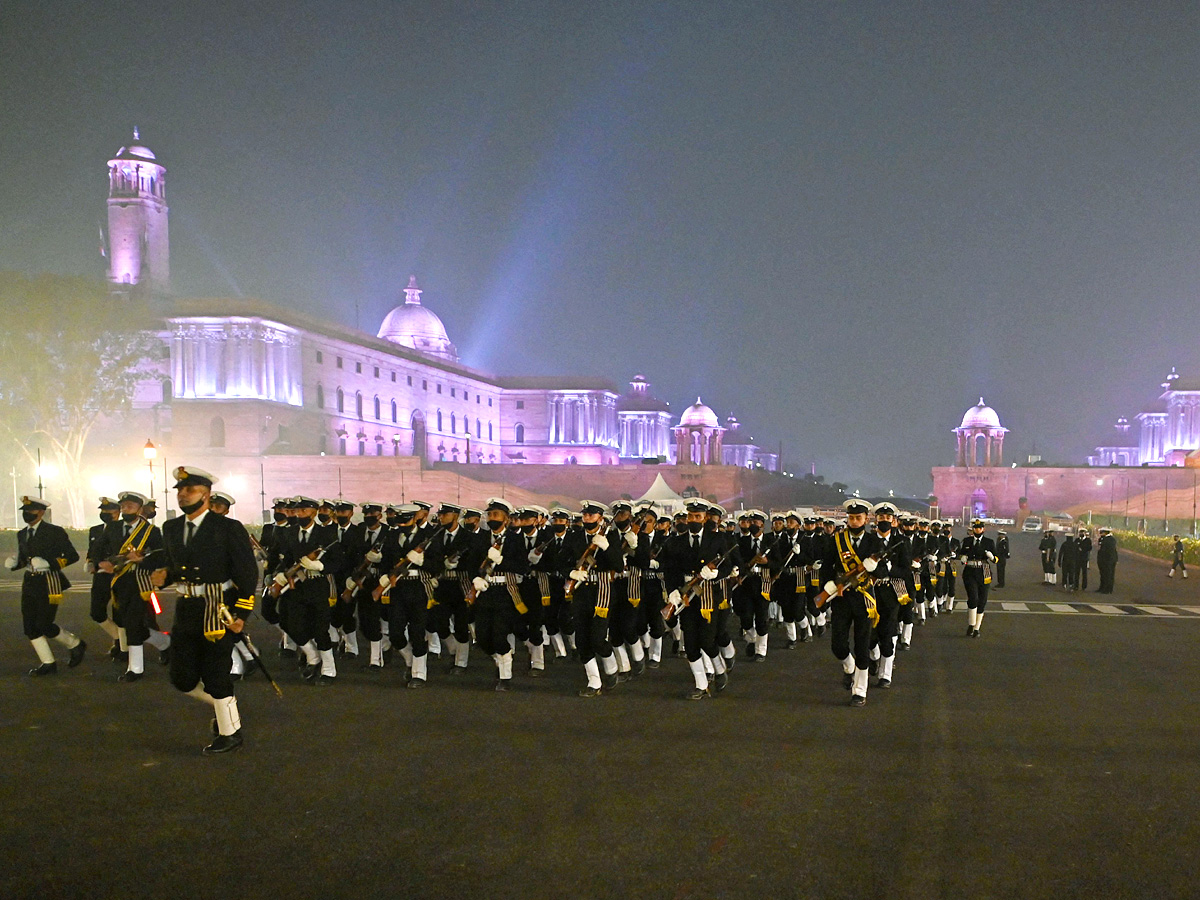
(1054, 757)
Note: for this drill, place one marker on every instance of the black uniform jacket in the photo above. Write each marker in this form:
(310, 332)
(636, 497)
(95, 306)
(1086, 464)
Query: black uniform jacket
(219, 551)
(51, 543)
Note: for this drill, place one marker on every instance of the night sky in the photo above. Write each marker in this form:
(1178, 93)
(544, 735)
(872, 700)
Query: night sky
(841, 221)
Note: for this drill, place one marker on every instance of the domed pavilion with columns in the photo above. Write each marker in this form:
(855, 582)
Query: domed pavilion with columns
(980, 426)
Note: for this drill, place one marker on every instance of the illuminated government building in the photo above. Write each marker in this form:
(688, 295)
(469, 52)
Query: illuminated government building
(245, 378)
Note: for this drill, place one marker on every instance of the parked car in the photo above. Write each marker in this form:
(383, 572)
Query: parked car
(1032, 523)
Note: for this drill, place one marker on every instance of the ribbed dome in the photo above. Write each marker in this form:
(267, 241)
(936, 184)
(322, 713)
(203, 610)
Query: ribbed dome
(699, 414)
(412, 325)
(980, 416)
(135, 150)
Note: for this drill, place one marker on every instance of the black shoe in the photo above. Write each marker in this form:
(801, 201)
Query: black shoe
(164, 657)
(970, 630)
(652, 664)
(902, 645)
(639, 666)
(536, 673)
(806, 637)
(212, 726)
(45, 669)
(417, 683)
(975, 633)
(750, 651)
(116, 654)
(458, 670)
(502, 685)
(873, 667)
(884, 683)
(374, 667)
(589, 692)
(325, 680)
(623, 677)
(285, 653)
(729, 663)
(127, 676)
(856, 700)
(609, 681)
(696, 694)
(847, 680)
(77, 654)
(224, 743)
(721, 681)
(820, 630)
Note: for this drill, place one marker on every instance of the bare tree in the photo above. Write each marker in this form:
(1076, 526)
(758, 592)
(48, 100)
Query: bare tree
(70, 353)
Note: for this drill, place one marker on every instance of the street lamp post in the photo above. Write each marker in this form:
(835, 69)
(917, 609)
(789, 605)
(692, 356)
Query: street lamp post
(150, 452)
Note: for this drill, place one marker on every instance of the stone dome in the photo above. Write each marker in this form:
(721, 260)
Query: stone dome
(699, 414)
(413, 325)
(980, 416)
(136, 150)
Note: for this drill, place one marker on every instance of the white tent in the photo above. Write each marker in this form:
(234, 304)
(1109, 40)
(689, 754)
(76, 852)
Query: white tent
(661, 495)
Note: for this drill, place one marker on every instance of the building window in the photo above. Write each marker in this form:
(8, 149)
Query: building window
(342, 446)
(489, 401)
(477, 399)
(339, 362)
(393, 378)
(453, 423)
(358, 368)
(393, 411)
(410, 381)
(341, 401)
(320, 397)
(320, 357)
(439, 387)
(216, 432)
(362, 448)
(489, 431)
(377, 409)
(478, 429)
(452, 390)
(520, 434)
(377, 371)
(358, 404)
(520, 404)
(379, 448)
(424, 385)
(168, 390)
(439, 420)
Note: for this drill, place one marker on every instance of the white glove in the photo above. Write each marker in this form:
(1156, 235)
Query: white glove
(495, 555)
(708, 573)
(451, 563)
(416, 557)
(534, 557)
(796, 547)
(280, 579)
(830, 588)
(578, 575)
(351, 584)
(654, 564)
(817, 564)
(37, 564)
(601, 542)
(675, 599)
(916, 564)
(11, 564)
(631, 539)
(374, 556)
(991, 556)
(313, 565)
(870, 564)
(734, 572)
(479, 584)
(384, 583)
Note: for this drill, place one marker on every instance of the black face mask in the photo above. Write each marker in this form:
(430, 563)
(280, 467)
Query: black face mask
(756, 530)
(496, 524)
(371, 520)
(304, 521)
(343, 521)
(279, 517)
(793, 531)
(857, 531)
(129, 517)
(530, 529)
(28, 516)
(150, 515)
(695, 527)
(325, 518)
(883, 527)
(188, 508)
(109, 517)
(560, 529)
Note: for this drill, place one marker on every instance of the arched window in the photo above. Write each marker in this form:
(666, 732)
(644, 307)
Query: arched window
(216, 432)
(362, 448)
(439, 420)
(394, 420)
(376, 409)
(478, 429)
(320, 397)
(520, 434)
(453, 423)
(489, 431)
(341, 401)
(168, 390)
(358, 404)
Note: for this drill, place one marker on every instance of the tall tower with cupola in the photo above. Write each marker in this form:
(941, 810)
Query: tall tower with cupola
(138, 248)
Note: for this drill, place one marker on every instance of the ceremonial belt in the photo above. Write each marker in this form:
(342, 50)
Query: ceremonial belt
(213, 595)
(53, 583)
(635, 586)
(978, 563)
(850, 560)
